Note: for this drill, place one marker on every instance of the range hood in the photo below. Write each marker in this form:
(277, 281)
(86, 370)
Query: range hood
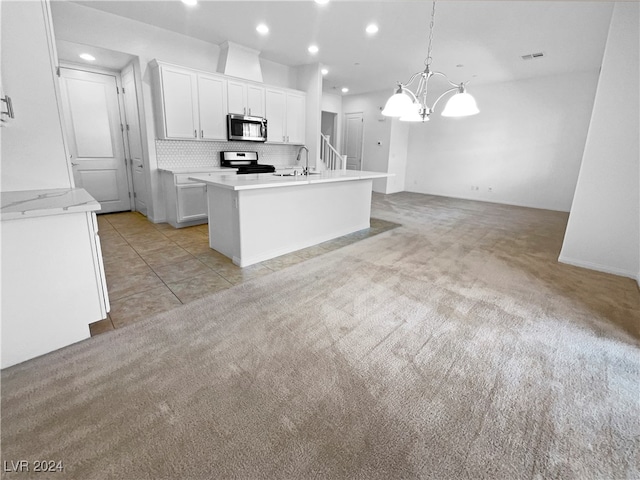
(239, 61)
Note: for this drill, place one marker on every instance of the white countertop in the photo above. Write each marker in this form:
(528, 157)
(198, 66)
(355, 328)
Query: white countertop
(197, 169)
(41, 203)
(269, 180)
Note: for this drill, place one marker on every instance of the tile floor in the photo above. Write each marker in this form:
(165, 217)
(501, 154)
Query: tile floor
(152, 268)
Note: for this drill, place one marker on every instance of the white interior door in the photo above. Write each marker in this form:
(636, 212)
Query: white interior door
(134, 139)
(96, 144)
(353, 131)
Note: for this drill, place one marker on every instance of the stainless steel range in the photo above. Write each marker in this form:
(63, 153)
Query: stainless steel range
(245, 162)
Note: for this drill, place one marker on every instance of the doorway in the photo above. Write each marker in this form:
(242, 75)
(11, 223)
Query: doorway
(133, 141)
(328, 127)
(94, 127)
(353, 138)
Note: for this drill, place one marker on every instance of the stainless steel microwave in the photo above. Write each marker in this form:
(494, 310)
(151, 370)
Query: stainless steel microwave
(246, 128)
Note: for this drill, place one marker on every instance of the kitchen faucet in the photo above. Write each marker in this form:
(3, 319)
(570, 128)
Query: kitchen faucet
(306, 168)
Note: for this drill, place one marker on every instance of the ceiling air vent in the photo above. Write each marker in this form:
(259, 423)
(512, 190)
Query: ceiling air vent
(531, 56)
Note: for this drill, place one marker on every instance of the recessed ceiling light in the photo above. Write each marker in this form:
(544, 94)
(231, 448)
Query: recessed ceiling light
(324, 71)
(262, 28)
(191, 3)
(322, 2)
(345, 89)
(87, 57)
(372, 28)
(313, 49)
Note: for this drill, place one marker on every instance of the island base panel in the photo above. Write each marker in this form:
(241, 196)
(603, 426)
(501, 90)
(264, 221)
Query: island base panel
(250, 226)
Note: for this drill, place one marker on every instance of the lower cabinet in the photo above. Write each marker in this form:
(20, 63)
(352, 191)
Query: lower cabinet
(191, 202)
(185, 200)
(53, 283)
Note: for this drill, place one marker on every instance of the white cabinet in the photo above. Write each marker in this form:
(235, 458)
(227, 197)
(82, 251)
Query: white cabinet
(189, 105)
(285, 116)
(245, 98)
(296, 112)
(276, 115)
(53, 281)
(178, 99)
(191, 202)
(185, 199)
(212, 107)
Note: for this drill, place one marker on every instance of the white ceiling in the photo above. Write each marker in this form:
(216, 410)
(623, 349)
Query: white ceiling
(487, 37)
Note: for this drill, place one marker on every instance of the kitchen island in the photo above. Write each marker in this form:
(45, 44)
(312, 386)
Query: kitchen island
(256, 217)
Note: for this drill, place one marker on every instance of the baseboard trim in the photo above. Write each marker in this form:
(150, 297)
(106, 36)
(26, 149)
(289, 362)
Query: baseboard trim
(600, 268)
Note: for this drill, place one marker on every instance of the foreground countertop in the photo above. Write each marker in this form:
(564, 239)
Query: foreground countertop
(269, 180)
(42, 203)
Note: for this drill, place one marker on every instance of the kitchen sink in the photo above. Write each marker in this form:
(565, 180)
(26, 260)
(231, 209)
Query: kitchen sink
(291, 174)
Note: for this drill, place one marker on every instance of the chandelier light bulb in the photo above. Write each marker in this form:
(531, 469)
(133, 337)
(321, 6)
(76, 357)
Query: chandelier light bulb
(398, 105)
(460, 105)
(313, 49)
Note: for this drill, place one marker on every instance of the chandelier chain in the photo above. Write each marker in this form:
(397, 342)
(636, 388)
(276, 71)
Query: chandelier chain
(427, 60)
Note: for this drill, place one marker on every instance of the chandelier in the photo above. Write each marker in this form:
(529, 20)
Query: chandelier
(412, 107)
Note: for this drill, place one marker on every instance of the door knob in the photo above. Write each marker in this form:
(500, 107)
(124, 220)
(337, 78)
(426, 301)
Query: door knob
(74, 164)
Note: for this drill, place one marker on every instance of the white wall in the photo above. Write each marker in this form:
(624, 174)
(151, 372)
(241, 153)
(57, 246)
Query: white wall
(33, 152)
(603, 229)
(525, 145)
(397, 161)
(277, 74)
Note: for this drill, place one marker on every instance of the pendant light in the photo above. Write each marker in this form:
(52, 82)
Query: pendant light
(412, 107)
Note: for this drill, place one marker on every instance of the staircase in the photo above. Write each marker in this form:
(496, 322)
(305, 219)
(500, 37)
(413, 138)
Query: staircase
(330, 157)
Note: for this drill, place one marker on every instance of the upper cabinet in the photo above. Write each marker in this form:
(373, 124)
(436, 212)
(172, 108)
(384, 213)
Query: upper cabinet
(190, 105)
(245, 98)
(285, 116)
(193, 105)
(212, 107)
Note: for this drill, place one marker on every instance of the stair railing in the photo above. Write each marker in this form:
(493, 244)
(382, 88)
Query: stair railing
(330, 156)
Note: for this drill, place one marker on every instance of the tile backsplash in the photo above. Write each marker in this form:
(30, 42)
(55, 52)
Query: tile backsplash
(186, 154)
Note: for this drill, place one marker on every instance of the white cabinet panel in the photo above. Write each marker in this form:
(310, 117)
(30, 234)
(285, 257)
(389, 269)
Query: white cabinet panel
(285, 112)
(245, 99)
(255, 100)
(296, 109)
(212, 107)
(275, 106)
(53, 283)
(179, 103)
(189, 105)
(236, 97)
(192, 202)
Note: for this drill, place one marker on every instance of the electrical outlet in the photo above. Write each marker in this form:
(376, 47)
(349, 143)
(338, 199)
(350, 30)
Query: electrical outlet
(490, 189)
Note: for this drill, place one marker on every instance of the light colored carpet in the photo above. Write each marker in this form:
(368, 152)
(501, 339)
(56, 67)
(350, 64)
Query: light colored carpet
(452, 347)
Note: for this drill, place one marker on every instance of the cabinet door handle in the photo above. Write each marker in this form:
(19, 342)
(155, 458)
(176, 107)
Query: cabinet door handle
(195, 133)
(9, 112)
(249, 110)
(201, 133)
